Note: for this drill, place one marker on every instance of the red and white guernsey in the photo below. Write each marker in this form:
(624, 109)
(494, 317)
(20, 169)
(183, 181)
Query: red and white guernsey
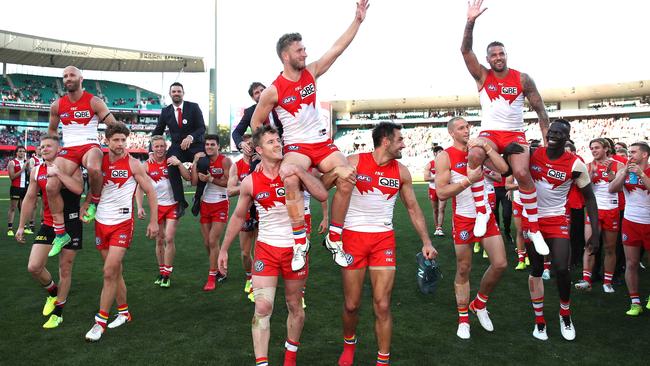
(268, 195)
(373, 197)
(116, 205)
(502, 102)
(462, 203)
(79, 121)
(21, 180)
(214, 193)
(553, 179)
(432, 170)
(243, 169)
(637, 198)
(41, 180)
(600, 183)
(36, 161)
(160, 180)
(297, 109)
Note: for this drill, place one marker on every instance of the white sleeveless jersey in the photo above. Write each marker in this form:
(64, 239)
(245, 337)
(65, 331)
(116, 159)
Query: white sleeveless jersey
(297, 109)
(79, 121)
(502, 102)
(269, 198)
(600, 184)
(373, 197)
(161, 184)
(637, 201)
(214, 193)
(116, 203)
(463, 203)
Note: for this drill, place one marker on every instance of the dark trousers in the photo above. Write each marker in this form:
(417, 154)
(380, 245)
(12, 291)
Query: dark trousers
(175, 175)
(500, 193)
(577, 235)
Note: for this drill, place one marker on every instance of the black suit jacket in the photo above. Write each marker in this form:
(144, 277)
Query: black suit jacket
(195, 125)
(240, 130)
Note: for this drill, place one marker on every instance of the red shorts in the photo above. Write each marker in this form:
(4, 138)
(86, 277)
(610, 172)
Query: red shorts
(517, 210)
(166, 213)
(433, 196)
(118, 235)
(554, 227)
(275, 261)
(369, 249)
(214, 212)
(76, 153)
(308, 223)
(504, 138)
(635, 235)
(607, 219)
(316, 152)
(462, 229)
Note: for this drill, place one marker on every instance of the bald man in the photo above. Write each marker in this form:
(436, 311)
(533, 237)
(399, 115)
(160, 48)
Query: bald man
(80, 113)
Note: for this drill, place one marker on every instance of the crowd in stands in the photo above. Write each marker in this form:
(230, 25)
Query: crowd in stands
(420, 140)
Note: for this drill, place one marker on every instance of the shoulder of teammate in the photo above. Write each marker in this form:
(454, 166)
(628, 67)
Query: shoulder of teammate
(137, 167)
(580, 173)
(246, 187)
(269, 95)
(527, 83)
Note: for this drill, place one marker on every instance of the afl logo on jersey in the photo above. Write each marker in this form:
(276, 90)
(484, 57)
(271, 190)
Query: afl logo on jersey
(262, 195)
(64, 115)
(289, 99)
(536, 168)
(509, 90)
(492, 87)
(81, 114)
(389, 182)
(279, 192)
(364, 178)
(307, 91)
(122, 173)
(216, 170)
(461, 165)
(293, 147)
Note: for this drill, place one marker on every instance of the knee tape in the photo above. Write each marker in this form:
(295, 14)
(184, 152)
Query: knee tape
(266, 294)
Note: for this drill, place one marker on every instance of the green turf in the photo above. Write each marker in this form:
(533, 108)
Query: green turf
(184, 325)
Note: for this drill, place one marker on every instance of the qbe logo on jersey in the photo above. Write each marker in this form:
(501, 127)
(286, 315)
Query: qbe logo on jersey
(279, 192)
(121, 173)
(81, 114)
(509, 90)
(307, 91)
(557, 174)
(389, 182)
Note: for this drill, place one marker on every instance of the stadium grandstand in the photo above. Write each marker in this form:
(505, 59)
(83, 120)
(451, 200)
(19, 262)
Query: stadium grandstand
(620, 111)
(25, 99)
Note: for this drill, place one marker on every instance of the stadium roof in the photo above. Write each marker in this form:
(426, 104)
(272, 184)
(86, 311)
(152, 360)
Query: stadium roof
(577, 93)
(22, 49)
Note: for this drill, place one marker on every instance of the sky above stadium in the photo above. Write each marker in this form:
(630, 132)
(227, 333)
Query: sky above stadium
(404, 48)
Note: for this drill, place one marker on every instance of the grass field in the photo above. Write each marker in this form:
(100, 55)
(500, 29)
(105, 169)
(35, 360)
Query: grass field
(184, 325)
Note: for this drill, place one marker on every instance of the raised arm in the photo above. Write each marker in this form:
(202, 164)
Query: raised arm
(268, 100)
(74, 183)
(535, 101)
(329, 178)
(415, 213)
(172, 160)
(101, 110)
(478, 71)
(320, 66)
(616, 185)
(53, 127)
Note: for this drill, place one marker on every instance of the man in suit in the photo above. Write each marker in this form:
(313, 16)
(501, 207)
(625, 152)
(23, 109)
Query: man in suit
(255, 90)
(186, 128)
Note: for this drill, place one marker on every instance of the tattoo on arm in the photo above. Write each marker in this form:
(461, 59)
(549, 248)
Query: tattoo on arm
(535, 100)
(468, 37)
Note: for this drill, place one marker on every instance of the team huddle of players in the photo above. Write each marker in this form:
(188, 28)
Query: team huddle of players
(360, 236)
